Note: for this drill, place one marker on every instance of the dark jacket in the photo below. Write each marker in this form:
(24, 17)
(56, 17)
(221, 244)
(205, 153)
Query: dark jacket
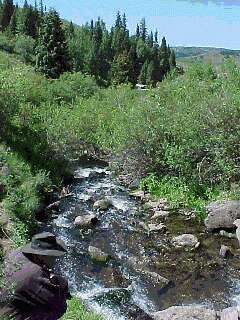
(31, 292)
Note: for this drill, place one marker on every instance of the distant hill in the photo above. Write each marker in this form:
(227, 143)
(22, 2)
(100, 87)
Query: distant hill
(187, 55)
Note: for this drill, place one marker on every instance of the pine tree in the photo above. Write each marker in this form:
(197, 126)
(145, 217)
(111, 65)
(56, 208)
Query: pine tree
(121, 68)
(144, 73)
(71, 30)
(138, 32)
(143, 30)
(164, 58)
(52, 51)
(172, 60)
(13, 23)
(7, 11)
(150, 73)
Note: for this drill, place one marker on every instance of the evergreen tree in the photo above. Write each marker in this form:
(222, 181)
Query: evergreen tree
(7, 11)
(71, 30)
(138, 32)
(144, 73)
(52, 51)
(150, 73)
(150, 40)
(172, 60)
(164, 58)
(13, 23)
(143, 30)
(121, 68)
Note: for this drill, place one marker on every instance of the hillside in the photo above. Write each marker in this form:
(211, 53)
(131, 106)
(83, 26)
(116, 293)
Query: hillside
(216, 56)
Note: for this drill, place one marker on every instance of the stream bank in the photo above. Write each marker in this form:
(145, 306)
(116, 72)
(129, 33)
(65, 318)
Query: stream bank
(144, 271)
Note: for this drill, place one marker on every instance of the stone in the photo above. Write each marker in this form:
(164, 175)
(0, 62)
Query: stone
(161, 215)
(156, 227)
(229, 314)
(139, 194)
(185, 313)
(222, 214)
(53, 206)
(6, 246)
(228, 235)
(86, 221)
(156, 278)
(102, 204)
(186, 240)
(237, 224)
(98, 255)
(225, 252)
(4, 220)
(113, 278)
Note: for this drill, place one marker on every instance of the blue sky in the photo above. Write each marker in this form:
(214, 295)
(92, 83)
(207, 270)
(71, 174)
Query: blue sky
(214, 23)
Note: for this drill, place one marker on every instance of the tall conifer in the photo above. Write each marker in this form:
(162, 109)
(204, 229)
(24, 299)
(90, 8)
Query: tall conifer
(52, 52)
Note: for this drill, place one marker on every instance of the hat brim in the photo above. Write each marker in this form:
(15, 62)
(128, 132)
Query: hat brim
(52, 253)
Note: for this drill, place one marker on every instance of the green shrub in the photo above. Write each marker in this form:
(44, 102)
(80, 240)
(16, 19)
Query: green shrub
(76, 311)
(25, 47)
(6, 43)
(71, 86)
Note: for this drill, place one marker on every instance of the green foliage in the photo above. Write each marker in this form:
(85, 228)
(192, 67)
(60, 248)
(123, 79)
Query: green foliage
(25, 47)
(22, 191)
(187, 129)
(52, 51)
(6, 44)
(6, 14)
(76, 311)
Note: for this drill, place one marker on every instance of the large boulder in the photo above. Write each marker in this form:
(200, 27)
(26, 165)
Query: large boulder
(186, 240)
(186, 313)
(85, 221)
(103, 204)
(98, 255)
(222, 214)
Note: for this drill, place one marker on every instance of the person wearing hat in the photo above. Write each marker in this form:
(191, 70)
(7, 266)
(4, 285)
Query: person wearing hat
(30, 290)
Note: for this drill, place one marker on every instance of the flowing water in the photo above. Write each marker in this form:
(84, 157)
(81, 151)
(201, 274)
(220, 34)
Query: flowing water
(126, 287)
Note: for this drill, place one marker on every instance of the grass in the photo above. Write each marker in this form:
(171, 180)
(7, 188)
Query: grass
(76, 311)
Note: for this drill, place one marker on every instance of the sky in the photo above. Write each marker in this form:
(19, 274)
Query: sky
(213, 23)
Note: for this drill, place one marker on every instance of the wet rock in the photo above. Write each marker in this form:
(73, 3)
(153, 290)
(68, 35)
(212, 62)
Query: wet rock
(102, 204)
(112, 277)
(155, 278)
(139, 194)
(6, 246)
(161, 215)
(156, 206)
(225, 252)
(237, 224)
(156, 227)
(97, 255)
(229, 314)
(152, 227)
(115, 296)
(228, 235)
(137, 313)
(4, 220)
(53, 206)
(86, 221)
(186, 240)
(185, 313)
(222, 214)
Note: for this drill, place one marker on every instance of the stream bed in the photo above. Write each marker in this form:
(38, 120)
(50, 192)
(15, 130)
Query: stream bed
(127, 286)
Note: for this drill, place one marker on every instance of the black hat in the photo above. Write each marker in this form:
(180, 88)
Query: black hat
(45, 244)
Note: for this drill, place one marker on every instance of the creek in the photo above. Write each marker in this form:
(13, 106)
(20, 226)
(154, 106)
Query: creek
(127, 286)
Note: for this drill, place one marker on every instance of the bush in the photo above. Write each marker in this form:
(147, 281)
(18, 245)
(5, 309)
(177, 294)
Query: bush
(71, 86)
(25, 47)
(76, 311)
(7, 44)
